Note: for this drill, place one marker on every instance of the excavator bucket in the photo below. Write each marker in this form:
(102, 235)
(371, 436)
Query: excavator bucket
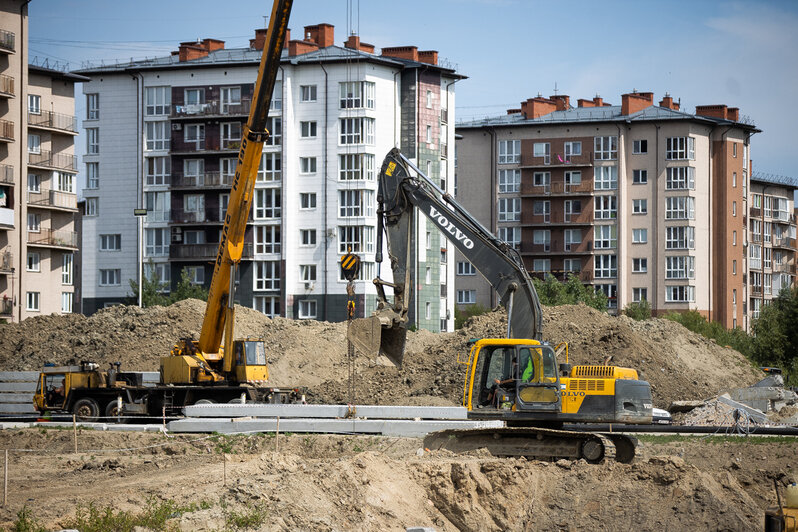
(372, 338)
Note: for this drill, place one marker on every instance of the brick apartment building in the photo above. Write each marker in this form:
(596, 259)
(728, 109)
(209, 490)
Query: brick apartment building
(642, 201)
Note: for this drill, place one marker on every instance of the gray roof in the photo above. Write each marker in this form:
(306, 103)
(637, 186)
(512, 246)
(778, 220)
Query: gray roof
(783, 180)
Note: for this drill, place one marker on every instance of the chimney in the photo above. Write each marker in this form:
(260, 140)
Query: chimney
(212, 44)
(537, 107)
(562, 101)
(634, 102)
(667, 101)
(321, 34)
(401, 52)
(514, 111)
(715, 111)
(189, 51)
(733, 113)
(581, 102)
(301, 47)
(259, 42)
(429, 57)
(353, 43)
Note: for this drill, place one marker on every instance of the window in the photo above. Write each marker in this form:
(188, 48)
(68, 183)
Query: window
(427, 310)
(429, 134)
(541, 265)
(156, 242)
(639, 236)
(541, 207)
(511, 235)
(66, 302)
(307, 272)
(680, 237)
(734, 149)
(755, 257)
(35, 142)
(34, 104)
(157, 100)
(428, 275)
(92, 106)
(680, 178)
(33, 262)
(605, 207)
(269, 305)
(734, 179)
(34, 183)
(606, 177)
(639, 177)
(605, 266)
(767, 254)
(267, 275)
(356, 238)
(267, 239)
(572, 208)
(227, 168)
(734, 208)
(428, 240)
(231, 135)
(34, 222)
(92, 206)
(572, 148)
(110, 277)
(270, 168)
(356, 167)
(572, 265)
(429, 99)
(64, 182)
(194, 135)
(157, 204)
(466, 268)
(307, 93)
(275, 126)
(734, 267)
(267, 203)
(679, 294)
(357, 131)
(466, 297)
(32, 301)
(307, 165)
(639, 146)
(680, 148)
(193, 237)
(572, 178)
(355, 203)
(307, 200)
(572, 238)
(357, 94)
(734, 238)
(680, 267)
(509, 209)
(639, 294)
(111, 242)
(231, 97)
(307, 237)
(542, 149)
(307, 129)
(605, 236)
(509, 181)
(224, 201)
(194, 98)
(194, 203)
(611, 291)
(307, 309)
(158, 135)
(541, 179)
(639, 206)
(196, 274)
(639, 265)
(509, 151)
(158, 170)
(680, 208)
(605, 148)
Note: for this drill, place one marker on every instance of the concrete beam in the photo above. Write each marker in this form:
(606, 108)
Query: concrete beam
(327, 411)
(756, 415)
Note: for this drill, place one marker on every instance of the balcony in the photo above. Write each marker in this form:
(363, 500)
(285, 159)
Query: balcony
(557, 160)
(6, 218)
(198, 147)
(53, 238)
(557, 247)
(53, 161)
(206, 252)
(756, 212)
(561, 275)
(584, 217)
(55, 121)
(784, 242)
(7, 88)
(6, 263)
(206, 180)
(7, 39)
(158, 216)
(756, 291)
(784, 268)
(53, 199)
(558, 188)
(6, 131)
(7, 174)
(180, 216)
(6, 307)
(209, 109)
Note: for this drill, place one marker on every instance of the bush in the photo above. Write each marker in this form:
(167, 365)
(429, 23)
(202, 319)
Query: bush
(638, 311)
(552, 292)
(460, 316)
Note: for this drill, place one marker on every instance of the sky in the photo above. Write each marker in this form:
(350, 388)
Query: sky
(739, 53)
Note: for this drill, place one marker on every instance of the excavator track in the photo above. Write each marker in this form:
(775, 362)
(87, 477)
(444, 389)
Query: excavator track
(537, 443)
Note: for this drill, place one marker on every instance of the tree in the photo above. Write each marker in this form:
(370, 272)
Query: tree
(570, 292)
(460, 316)
(150, 294)
(775, 334)
(639, 311)
(186, 289)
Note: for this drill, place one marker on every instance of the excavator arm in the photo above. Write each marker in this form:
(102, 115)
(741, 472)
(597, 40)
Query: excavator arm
(398, 195)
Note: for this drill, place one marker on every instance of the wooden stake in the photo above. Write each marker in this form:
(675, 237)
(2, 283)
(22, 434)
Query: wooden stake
(277, 436)
(5, 480)
(224, 477)
(163, 417)
(75, 432)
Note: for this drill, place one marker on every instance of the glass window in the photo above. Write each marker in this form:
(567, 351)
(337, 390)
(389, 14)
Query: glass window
(680, 178)
(509, 151)
(307, 200)
(307, 165)
(639, 177)
(466, 297)
(33, 262)
(267, 239)
(307, 93)
(639, 206)
(680, 148)
(34, 104)
(509, 209)
(639, 146)
(32, 301)
(639, 265)
(605, 266)
(157, 100)
(35, 142)
(679, 208)
(111, 242)
(606, 177)
(639, 236)
(270, 168)
(307, 237)
(158, 134)
(307, 129)
(92, 106)
(307, 309)
(267, 203)
(267, 275)
(466, 268)
(605, 148)
(110, 277)
(357, 131)
(356, 166)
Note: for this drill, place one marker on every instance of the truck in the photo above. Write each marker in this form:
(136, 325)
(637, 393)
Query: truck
(216, 367)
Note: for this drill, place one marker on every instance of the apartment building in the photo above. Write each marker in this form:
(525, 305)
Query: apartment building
(642, 201)
(38, 203)
(164, 135)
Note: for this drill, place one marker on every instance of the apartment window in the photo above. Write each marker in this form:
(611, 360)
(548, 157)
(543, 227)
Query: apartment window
(355, 239)
(111, 242)
(605, 236)
(639, 236)
(768, 229)
(611, 291)
(541, 237)
(227, 168)
(680, 267)
(605, 148)
(92, 206)
(64, 182)
(356, 167)
(34, 104)
(444, 256)
(307, 272)
(267, 239)
(605, 207)
(734, 238)
(572, 208)
(92, 106)
(269, 305)
(680, 237)
(194, 203)
(639, 177)
(679, 294)
(541, 265)
(755, 257)
(680, 178)
(307, 200)
(34, 222)
(572, 178)
(606, 177)
(466, 268)
(680, 148)
(158, 135)
(511, 235)
(767, 254)
(639, 146)
(33, 262)
(274, 125)
(605, 266)
(541, 179)
(768, 206)
(466, 297)
(307, 165)
(680, 208)
(509, 151)
(357, 130)
(734, 179)
(734, 149)
(734, 296)
(355, 203)
(196, 274)
(734, 208)
(34, 183)
(224, 201)
(92, 141)
(193, 135)
(542, 149)
(541, 208)
(32, 301)
(307, 237)
(267, 203)
(572, 148)
(307, 93)
(270, 168)
(193, 97)
(509, 209)
(429, 99)
(231, 135)
(357, 94)
(35, 142)
(158, 170)
(428, 275)
(193, 237)
(639, 206)
(67, 262)
(307, 129)
(157, 100)
(429, 134)
(572, 238)
(231, 97)
(572, 265)
(66, 302)
(307, 309)
(640, 265)
(110, 277)
(639, 294)
(156, 242)
(267, 275)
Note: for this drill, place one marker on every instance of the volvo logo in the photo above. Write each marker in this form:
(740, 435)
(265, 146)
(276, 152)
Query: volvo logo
(449, 227)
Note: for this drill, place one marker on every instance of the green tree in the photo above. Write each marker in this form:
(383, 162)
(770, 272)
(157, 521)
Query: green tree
(186, 289)
(775, 334)
(639, 311)
(460, 316)
(150, 295)
(569, 292)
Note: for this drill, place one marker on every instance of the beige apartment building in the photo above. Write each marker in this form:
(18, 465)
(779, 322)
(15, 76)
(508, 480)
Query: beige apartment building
(640, 200)
(38, 168)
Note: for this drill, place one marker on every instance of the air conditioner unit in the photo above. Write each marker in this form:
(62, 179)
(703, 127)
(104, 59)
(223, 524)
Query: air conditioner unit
(177, 234)
(177, 126)
(310, 285)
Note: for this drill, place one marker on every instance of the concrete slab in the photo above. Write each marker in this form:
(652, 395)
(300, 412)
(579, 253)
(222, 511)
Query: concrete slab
(756, 415)
(6, 376)
(326, 411)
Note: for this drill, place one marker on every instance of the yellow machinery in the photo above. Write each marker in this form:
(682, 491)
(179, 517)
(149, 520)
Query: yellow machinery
(783, 517)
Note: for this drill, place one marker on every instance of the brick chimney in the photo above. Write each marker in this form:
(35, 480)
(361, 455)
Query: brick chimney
(429, 57)
(667, 101)
(212, 44)
(595, 102)
(719, 111)
(515, 111)
(353, 43)
(634, 102)
(401, 52)
(562, 101)
(322, 34)
(189, 51)
(259, 42)
(301, 47)
(537, 107)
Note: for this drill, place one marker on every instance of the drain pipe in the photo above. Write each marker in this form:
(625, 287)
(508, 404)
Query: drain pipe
(324, 189)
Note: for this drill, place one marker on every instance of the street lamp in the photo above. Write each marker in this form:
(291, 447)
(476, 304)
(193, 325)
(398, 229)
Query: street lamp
(140, 214)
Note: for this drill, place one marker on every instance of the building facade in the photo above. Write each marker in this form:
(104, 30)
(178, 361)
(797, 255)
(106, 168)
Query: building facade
(641, 201)
(164, 135)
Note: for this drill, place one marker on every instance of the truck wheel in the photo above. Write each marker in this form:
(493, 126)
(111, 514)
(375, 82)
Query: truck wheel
(112, 413)
(86, 410)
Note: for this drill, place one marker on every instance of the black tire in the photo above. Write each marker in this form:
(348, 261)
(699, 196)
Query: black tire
(86, 410)
(205, 402)
(112, 414)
